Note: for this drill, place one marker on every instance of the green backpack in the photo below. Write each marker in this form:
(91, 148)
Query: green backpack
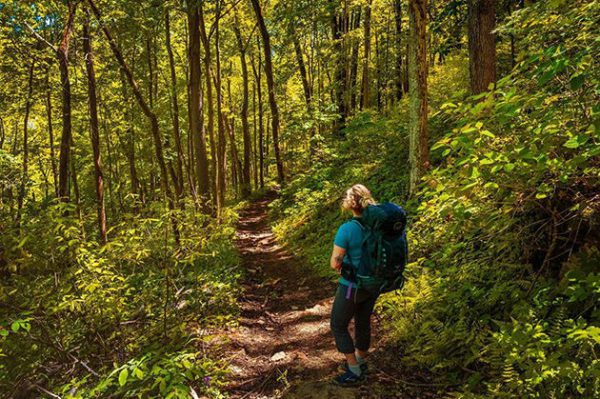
(384, 249)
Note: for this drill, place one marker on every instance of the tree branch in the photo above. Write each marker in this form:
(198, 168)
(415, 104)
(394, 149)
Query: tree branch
(41, 38)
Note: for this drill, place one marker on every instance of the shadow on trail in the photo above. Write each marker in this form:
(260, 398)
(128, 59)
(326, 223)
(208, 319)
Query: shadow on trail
(283, 347)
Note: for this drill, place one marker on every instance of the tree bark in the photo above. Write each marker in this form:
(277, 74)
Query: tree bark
(65, 141)
(482, 44)
(302, 69)
(195, 125)
(340, 68)
(221, 145)
(261, 133)
(399, 73)
(94, 130)
(209, 104)
(2, 133)
(21, 197)
(175, 105)
(364, 98)
(51, 134)
(418, 70)
(246, 187)
(353, 89)
(255, 134)
(271, 87)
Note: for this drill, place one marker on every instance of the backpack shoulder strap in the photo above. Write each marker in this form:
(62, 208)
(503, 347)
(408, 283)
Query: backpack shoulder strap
(358, 222)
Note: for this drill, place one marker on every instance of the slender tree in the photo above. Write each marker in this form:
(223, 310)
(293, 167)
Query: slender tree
(399, 87)
(246, 188)
(175, 107)
(222, 143)
(271, 89)
(417, 70)
(24, 175)
(51, 132)
(94, 130)
(195, 126)
(65, 141)
(257, 70)
(209, 101)
(365, 88)
(62, 54)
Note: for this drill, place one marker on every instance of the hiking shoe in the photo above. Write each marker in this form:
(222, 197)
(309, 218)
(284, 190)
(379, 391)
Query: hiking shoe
(349, 379)
(364, 368)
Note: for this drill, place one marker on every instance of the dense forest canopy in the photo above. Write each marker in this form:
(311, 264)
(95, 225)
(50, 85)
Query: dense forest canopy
(133, 132)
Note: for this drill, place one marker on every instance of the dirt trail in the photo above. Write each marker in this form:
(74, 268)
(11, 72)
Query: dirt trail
(283, 347)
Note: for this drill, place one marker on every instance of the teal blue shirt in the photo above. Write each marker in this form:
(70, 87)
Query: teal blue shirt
(349, 236)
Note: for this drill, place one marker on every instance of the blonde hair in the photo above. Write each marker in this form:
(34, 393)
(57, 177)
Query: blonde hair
(357, 198)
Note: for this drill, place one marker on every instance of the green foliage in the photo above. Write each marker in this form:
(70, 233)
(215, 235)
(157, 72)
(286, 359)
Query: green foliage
(370, 154)
(502, 215)
(122, 319)
(502, 293)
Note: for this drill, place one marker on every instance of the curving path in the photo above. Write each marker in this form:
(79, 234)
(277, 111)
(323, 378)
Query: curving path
(283, 347)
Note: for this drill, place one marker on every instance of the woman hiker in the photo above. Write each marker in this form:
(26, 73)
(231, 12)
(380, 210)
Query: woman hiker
(349, 301)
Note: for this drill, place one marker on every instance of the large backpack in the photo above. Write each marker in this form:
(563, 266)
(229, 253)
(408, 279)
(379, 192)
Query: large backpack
(384, 249)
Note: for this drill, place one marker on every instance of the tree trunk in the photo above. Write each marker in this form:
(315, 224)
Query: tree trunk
(2, 133)
(51, 133)
(261, 133)
(94, 130)
(246, 187)
(417, 69)
(75, 184)
(353, 90)
(221, 145)
(340, 68)
(65, 141)
(24, 175)
(482, 44)
(195, 125)
(209, 104)
(271, 87)
(302, 69)
(175, 105)
(364, 98)
(255, 134)
(398, 22)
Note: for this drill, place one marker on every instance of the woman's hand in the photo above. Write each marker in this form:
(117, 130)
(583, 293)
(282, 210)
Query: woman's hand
(337, 257)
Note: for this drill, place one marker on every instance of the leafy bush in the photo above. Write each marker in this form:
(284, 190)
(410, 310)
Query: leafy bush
(122, 319)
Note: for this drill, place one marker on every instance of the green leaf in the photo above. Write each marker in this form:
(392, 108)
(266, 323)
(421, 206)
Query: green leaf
(549, 74)
(509, 167)
(576, 81)
(138, 373)
(123, 377)
(572, 143)
(15, 326)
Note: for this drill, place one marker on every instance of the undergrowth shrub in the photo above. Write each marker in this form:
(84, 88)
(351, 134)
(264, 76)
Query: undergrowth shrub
(122, 320)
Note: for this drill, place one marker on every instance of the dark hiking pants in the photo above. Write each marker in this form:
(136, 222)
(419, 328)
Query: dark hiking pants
(348, 304)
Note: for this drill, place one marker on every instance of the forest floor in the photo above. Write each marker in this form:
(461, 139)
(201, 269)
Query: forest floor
(283, 347)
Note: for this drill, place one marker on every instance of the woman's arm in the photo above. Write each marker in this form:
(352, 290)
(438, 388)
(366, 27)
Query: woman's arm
(337, 256)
